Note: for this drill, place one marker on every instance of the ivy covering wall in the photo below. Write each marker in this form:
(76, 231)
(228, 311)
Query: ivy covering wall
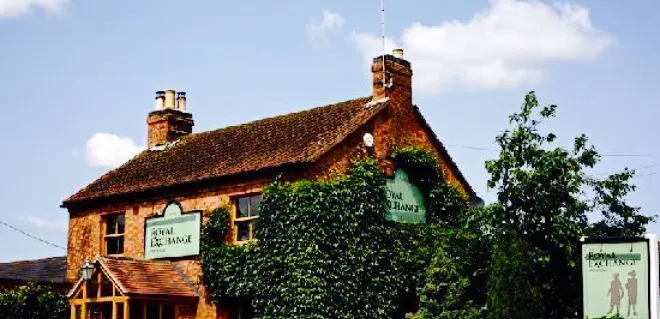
(326, 251)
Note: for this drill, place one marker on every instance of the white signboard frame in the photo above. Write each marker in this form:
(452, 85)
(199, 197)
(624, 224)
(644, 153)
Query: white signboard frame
(593, 277)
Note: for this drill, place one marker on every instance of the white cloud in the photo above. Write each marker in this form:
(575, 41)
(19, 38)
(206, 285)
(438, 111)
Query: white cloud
(329, 21)
(505, 45)
(45, 224)
(109, 150)
(15, 8)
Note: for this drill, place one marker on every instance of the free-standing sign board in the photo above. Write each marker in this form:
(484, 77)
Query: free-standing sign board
(405, 201)
(620, 277)
(174, 234)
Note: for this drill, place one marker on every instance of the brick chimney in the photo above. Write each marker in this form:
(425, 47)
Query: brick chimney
(398, 77)
(397, 89)
(170, 121)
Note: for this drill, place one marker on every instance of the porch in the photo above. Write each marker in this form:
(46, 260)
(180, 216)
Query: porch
(116, 288)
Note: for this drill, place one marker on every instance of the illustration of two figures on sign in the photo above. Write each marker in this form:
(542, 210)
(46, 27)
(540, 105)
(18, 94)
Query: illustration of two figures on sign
(616, 293)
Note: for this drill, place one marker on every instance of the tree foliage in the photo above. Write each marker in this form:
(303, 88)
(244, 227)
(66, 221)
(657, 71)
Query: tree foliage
(33, 301)
(544, 197)
(325, 250)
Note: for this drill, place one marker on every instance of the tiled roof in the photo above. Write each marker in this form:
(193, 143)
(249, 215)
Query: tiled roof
(148, 277)
(46, 270)
(288, 139)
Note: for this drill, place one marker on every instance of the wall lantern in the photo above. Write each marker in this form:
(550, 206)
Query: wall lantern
(87, 271)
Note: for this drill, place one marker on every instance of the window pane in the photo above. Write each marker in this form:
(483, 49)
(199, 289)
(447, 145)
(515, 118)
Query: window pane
(242, 209)
(168, 312)
(106, 287)
(120, 310)
(120, 224)
(135, 309)
(114, 245)
(92, 288)
(153, 310)
(100, 310)
(243, 231)
(111, 224)
(255, 203)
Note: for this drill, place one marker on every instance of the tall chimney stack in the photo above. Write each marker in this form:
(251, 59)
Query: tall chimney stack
(394, 83)
(170, 121)
(397, 76)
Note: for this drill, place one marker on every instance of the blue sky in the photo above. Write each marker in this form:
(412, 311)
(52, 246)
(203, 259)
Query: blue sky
(78, 79)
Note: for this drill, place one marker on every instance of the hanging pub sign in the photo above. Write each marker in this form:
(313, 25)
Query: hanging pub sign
(620, 277)
(174, 234)
(405, 201)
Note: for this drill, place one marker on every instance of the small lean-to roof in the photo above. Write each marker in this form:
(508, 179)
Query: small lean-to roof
(273, 142)
(45, 270)
(148, 277)
(144, 277)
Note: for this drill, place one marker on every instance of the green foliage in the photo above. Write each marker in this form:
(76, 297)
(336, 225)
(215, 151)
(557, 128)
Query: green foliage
(510, 286)
(33, 301)
(618, 218)
(325, 250)
(543, 202)
(224, 266)
(444, 292)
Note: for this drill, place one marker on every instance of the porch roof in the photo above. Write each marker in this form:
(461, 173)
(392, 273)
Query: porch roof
(155, 278)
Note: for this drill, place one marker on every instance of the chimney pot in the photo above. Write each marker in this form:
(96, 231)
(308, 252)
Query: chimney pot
(398, 53)
(160, 99)
(168, 122)
(181, 101)
(169, 99)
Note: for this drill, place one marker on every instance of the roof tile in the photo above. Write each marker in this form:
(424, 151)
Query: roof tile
(46, 270)
(148, 277)
(288, 139)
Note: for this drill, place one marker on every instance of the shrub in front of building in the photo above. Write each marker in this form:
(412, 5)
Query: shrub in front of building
(326, 251)
(33, 301)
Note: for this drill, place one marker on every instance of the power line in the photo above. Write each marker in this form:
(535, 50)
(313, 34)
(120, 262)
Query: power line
(478, 148)
(647, 174)
(32, 236)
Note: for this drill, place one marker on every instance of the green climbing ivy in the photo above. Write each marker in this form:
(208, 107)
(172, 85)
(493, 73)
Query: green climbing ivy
(325, 250)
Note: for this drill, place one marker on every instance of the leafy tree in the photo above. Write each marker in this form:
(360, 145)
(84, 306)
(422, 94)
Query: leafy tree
(510, 286)
(543, 196)
(445, 291)
(618, 218)
(33, 301)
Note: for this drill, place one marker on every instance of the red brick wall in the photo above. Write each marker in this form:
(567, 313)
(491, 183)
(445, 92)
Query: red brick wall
(85, 232)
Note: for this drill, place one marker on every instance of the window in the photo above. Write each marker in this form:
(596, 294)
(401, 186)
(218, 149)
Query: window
(241, 310)
(151, 310)
(247, 211)
(113, 236)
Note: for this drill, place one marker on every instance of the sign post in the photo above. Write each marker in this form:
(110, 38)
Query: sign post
(620, 277)
(405, 201)
(174, 234)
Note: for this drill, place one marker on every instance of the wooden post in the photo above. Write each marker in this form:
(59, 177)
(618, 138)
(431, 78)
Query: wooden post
(126, 312)
(83, 307)
(73, 311)
(114, 309)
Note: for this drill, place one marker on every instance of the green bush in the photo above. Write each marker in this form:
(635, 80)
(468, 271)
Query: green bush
(33, 301)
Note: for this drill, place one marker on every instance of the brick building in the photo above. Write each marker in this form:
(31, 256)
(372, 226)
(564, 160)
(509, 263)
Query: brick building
(229, 166)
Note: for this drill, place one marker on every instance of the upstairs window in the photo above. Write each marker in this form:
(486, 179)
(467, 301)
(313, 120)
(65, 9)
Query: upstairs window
(113, 236)
(247, 211)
